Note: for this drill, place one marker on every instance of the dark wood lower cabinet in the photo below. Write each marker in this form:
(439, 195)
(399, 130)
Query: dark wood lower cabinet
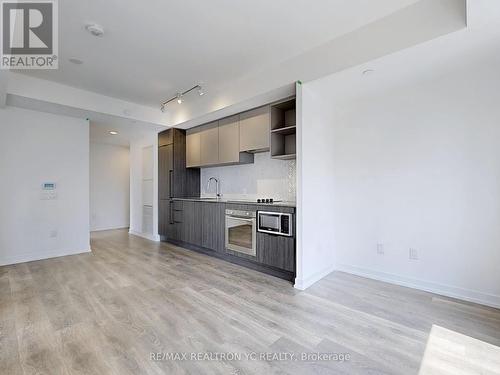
(170, 219)
(163, 217)
(175, 231)
(191, 222)
(212, 228)
(200, 226)
(276, 251)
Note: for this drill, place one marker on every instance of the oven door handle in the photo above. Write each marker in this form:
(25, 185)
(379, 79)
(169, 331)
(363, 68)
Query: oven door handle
(241, 218)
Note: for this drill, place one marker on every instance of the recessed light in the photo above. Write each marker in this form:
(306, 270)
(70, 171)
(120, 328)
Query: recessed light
(75, 61)
(113, 132)
(95, 29)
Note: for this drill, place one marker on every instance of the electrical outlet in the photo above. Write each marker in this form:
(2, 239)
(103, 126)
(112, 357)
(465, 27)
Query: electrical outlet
(413, 254)
(380, 249)
(53, 233)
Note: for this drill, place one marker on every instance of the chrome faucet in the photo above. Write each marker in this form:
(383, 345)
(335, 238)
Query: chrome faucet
(216, 186)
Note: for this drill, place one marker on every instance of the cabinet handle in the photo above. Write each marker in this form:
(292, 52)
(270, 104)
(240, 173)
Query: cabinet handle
(171, 214)
(170, 178)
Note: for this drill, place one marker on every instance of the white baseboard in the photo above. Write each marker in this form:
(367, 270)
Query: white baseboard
(151, 237)
(30, 257)
(303, 284)
(444, 290)
(111, 228)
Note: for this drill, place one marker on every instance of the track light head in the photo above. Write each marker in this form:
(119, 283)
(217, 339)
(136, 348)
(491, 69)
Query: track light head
(180, 95)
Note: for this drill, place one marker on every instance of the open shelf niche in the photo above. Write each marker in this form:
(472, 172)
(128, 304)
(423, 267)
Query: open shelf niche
(283, 129)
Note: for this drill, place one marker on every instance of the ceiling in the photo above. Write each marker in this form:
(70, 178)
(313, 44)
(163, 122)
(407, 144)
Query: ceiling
(153, 49)
(100, 123)
(127, 131)
(460, 53)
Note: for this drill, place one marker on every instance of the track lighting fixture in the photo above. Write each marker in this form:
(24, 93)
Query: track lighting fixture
(180, 95)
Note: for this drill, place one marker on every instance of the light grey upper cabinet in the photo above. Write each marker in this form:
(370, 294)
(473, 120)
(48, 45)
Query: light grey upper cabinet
(193, 148)
(209, 139)
(229, 140)
(234, 140)
(254, 129)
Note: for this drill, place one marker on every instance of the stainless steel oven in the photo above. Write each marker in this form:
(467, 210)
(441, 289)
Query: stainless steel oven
(241, 231)
(275, 223)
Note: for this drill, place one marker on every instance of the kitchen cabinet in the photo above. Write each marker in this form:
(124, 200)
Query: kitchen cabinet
(254, 129)
(202, 145)
(165, 138)
(163, 217)
(229, 140)
(174, 179)
(209, 143)
(283, 130)
(276, 251)
(191, 223)
(165, 171)
(165, 180)
(169, 224)
(175, 229)
(193, 148)
(212, 225)
(200, 226)
(234, 139)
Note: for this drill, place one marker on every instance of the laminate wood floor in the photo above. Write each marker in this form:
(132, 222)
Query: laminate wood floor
(105, 313)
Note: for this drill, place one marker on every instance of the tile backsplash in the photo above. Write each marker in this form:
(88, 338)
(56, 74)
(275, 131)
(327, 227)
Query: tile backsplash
(265, 178)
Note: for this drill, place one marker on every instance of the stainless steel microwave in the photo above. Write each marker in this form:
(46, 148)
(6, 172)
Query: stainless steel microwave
(275, 223)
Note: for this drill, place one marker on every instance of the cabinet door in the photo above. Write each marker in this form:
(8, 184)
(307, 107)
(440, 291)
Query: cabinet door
(276, 251)
(254, 129)
(191, 223)
(163, 217)
(165, 138)
(229, 140)
(209, 140)
(165, 171)
(175, 228)
(193, 152)
(169, 220)
(211, 226)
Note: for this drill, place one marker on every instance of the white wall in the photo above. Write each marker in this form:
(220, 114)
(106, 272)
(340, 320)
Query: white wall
(109, 186)
(37, 147)
(414, 163)
(314, 195)
(265, 178)
(138, 198)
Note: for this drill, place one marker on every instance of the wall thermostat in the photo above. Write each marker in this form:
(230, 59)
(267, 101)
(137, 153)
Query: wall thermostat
(48, 192)
(49, 186)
